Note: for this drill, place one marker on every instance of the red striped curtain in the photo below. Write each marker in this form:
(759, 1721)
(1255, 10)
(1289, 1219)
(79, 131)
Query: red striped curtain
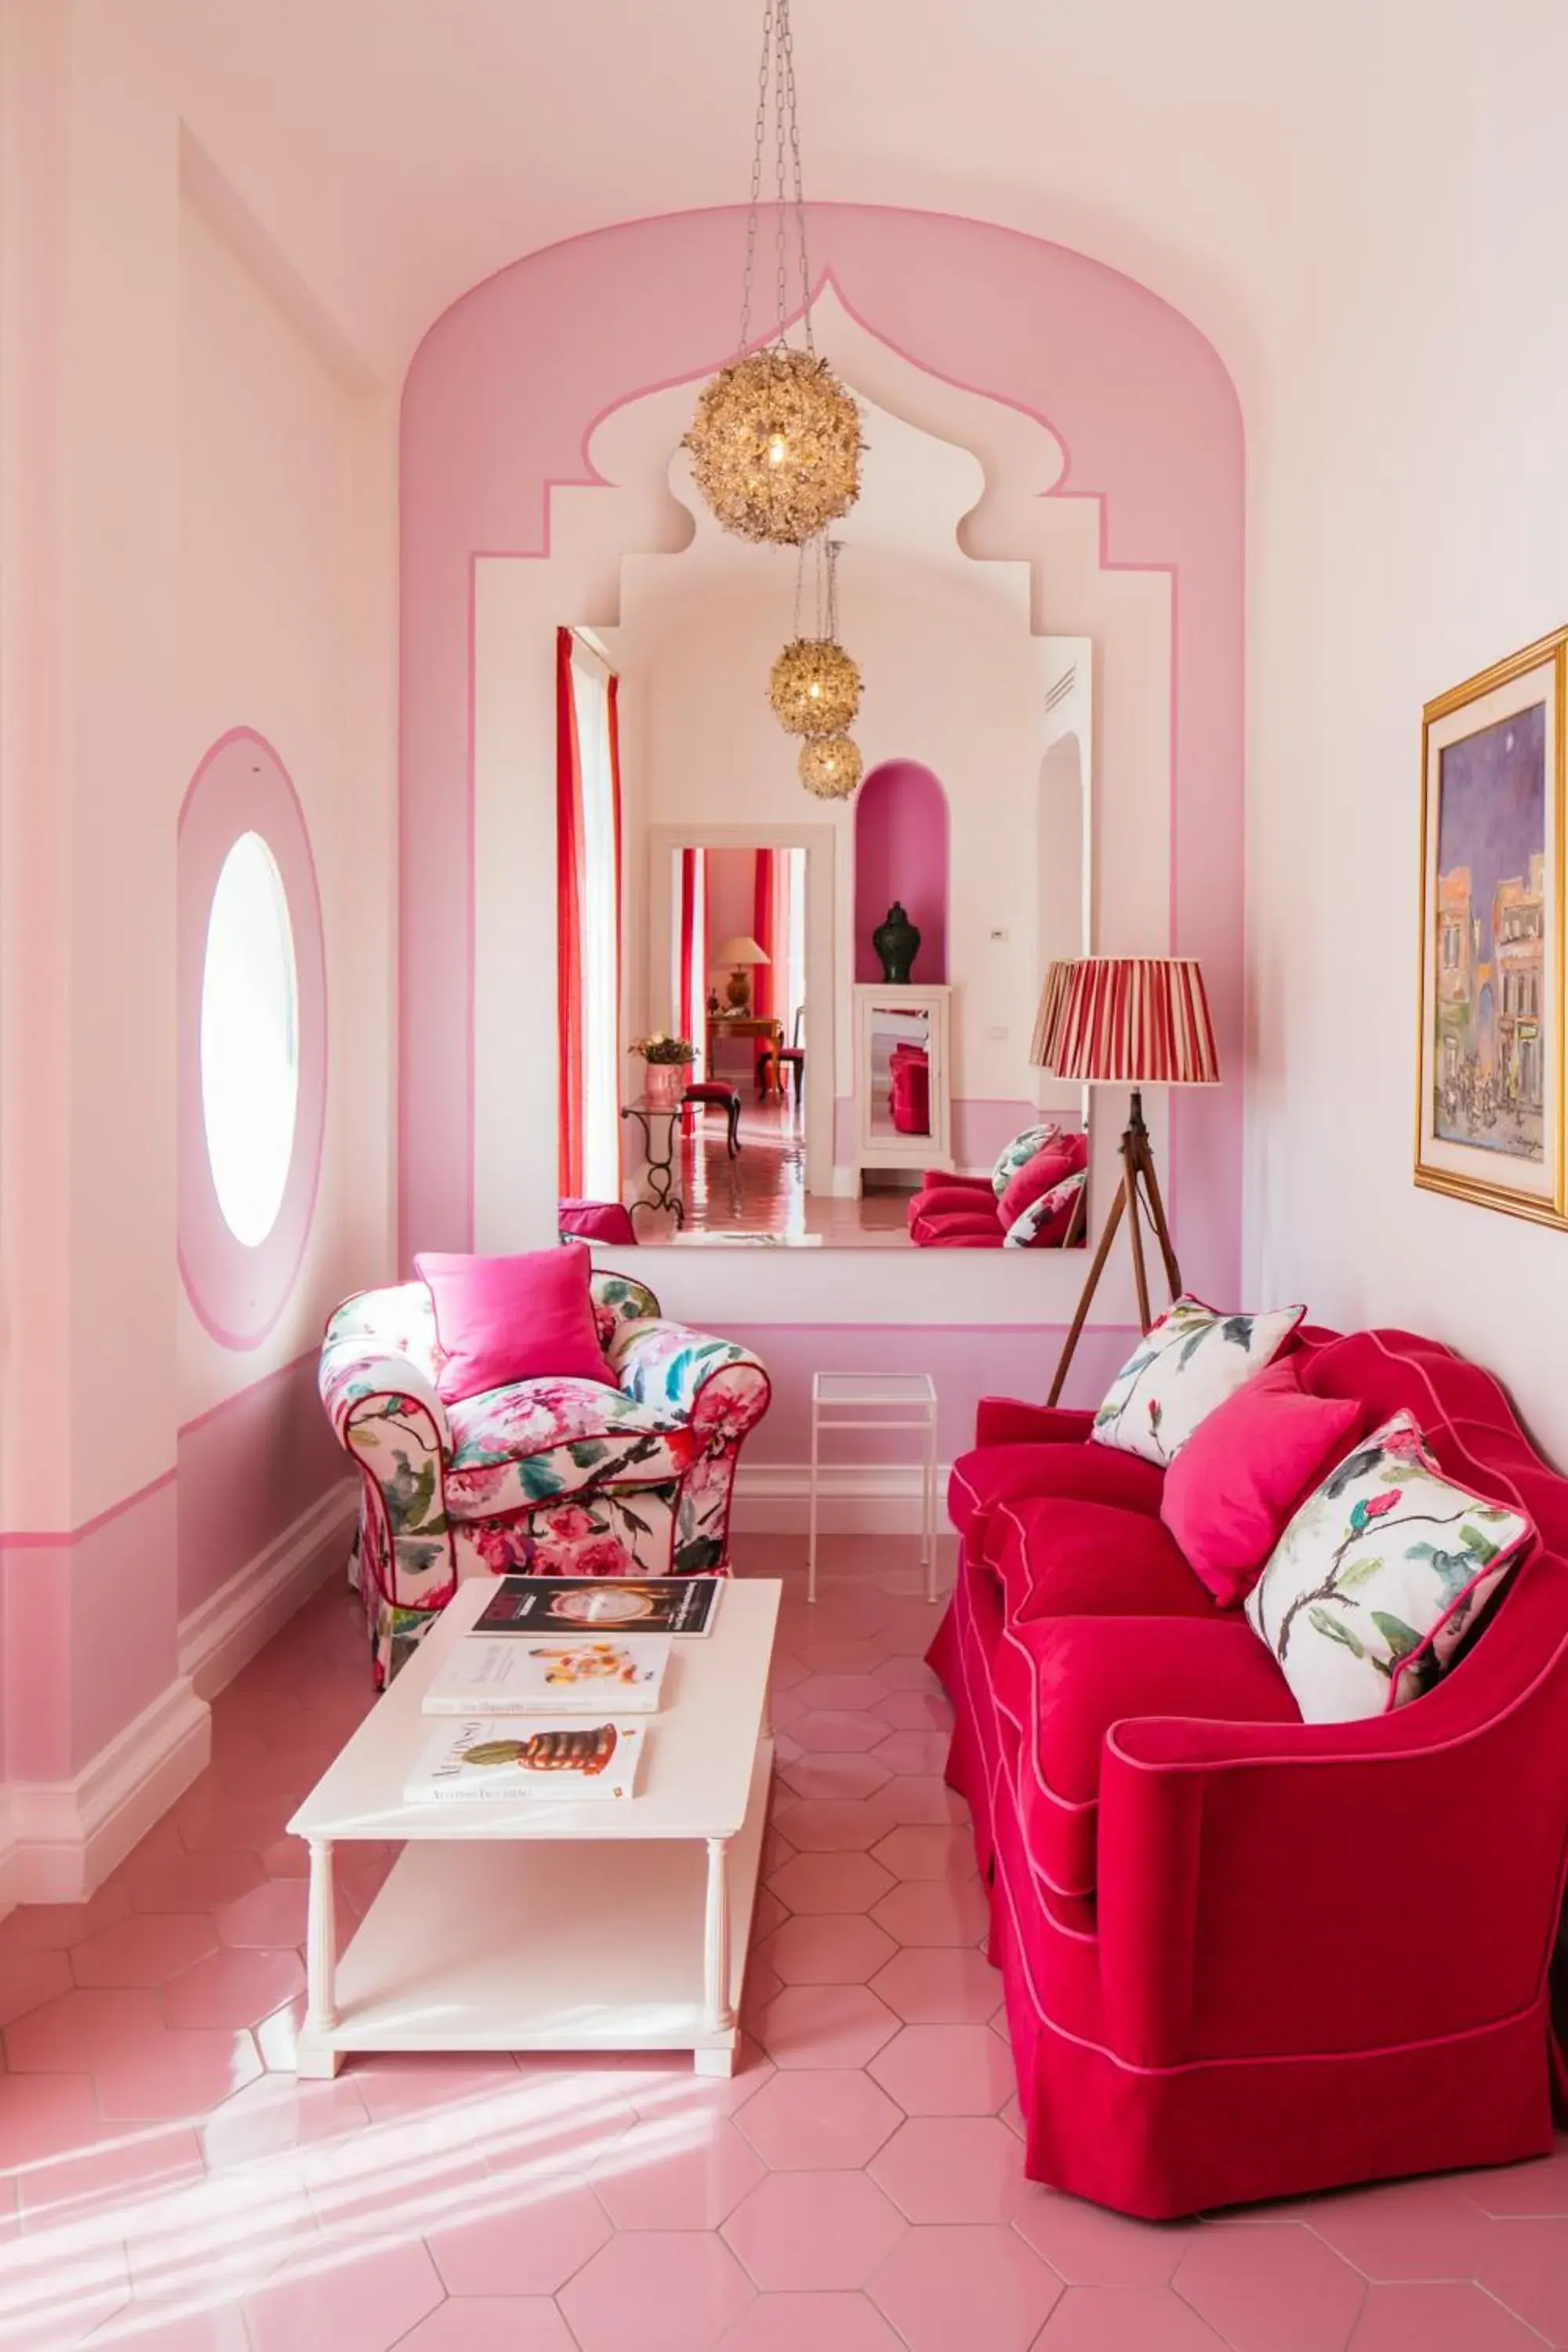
(568, 924)
(762, 931)
(613, 690)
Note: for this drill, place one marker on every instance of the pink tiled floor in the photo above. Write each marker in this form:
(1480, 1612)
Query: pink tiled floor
(857, 2187)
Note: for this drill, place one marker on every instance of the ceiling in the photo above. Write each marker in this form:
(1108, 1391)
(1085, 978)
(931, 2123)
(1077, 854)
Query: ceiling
(398, 151)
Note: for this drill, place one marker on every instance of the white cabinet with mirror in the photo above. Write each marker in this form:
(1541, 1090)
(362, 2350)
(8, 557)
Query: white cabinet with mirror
(904, 1087)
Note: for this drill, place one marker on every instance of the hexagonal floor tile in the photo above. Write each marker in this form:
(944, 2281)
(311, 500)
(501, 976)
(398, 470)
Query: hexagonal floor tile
(31, 1976)
(951, 2168)
(145, 1949)
(965, 2285)
(529, 2243)
(1270, 2289)
(845, 1734)
(1451, 2317)
(841, 1694)
(935, 1913)
(917, 1710)
(1135, 2319)
(827, 1948)
(939, 1988)
(831, 1882)
(1410, 2230)
(914, 1850)
(362, 2302)
(923, 1797)
(271, 1915)
(43, 2117)
(656, 2291)
(819, 1825)
(195, 1882)
(680, 2173)
(512, 2322)
(946, 2070)
(233, 1987)
(81, 2032)
(813, 2229)
(825, 2025)
(1537, 2192)
(826, 2323)
(807, 2121)
(913, 1751)
(1088, 2246)
(1525, 2264)
(56, 1927)
(170, 2075)
(837, 1779)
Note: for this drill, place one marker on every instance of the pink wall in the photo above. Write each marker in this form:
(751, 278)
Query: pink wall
(247, 1469)
(900, 853)
(500, 398)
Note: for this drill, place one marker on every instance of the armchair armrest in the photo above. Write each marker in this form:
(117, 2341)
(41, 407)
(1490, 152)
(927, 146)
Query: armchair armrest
(1008, 1421)
(387, 1412)
(720, 1388)
(1260, 1883)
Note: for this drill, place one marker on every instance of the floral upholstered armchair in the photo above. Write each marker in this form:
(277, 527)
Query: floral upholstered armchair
(557, 1477)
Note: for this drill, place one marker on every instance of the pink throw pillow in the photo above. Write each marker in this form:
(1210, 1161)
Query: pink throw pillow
(500, 1320)
(1233, 1487)
(1050, 1166)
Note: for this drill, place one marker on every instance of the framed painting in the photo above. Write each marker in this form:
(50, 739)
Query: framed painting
(1489, 1101)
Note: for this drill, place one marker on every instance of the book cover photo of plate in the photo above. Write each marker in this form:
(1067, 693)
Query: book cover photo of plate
(560, 1673)
(602, 1604)
(487, 1757)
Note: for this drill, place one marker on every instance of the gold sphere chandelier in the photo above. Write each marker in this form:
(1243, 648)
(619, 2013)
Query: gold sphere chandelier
(831, 766)
(775, 443)
(814, 686)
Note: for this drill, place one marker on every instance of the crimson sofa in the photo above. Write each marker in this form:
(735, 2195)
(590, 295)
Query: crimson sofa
(1245, 1957)
(951, 1212)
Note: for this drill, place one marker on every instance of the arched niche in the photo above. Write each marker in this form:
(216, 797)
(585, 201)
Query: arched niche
(901, 853)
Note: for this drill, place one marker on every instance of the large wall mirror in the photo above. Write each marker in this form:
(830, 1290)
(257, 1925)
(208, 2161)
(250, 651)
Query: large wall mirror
(858, 980)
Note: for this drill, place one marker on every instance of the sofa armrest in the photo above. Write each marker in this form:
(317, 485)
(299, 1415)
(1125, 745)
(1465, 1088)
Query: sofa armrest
(716, 1385)
(1248, 1874)
(1008, 1421)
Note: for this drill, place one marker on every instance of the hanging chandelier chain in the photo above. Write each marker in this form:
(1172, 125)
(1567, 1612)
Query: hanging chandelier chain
(831, 552)
(759, 142)
(775, 79)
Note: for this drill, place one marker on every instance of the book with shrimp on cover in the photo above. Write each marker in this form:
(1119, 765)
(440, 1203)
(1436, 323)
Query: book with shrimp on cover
(560, 1673)
(494, 1756)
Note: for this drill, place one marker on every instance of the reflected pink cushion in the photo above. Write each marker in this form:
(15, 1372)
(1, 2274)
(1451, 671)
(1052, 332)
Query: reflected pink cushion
(1236, 1484)
(1050, 1166)
(502, 1320)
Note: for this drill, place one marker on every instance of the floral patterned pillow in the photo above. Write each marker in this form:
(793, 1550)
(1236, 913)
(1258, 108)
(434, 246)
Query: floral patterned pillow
(1020, 1151)
(1024, 1231)
(1191, 1360)
(1373, 1583)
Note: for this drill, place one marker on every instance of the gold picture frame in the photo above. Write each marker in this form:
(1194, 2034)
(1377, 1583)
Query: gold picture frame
(1491, 1070)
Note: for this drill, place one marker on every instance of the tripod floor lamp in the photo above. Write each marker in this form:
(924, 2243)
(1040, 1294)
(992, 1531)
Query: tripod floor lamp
(1135, 1022)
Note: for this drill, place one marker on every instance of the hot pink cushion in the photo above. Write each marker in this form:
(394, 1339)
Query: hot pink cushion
(1041, 1175)
(1233, 1487)
(502, 1320)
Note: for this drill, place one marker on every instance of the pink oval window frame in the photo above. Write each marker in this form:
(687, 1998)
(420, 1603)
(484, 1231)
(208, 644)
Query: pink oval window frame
(241, 786)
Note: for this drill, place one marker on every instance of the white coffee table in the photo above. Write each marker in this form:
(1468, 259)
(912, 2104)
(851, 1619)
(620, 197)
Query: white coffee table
(543, 1924)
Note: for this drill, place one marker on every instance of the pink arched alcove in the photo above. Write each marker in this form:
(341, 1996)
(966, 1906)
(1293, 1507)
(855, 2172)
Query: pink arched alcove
(900, 852)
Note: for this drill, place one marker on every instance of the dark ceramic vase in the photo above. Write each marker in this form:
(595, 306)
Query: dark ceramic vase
(897, 942)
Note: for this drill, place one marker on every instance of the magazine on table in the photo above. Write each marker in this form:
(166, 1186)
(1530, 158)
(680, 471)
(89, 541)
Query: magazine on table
(602, 1604)
(561, 1673)
(480, 1757)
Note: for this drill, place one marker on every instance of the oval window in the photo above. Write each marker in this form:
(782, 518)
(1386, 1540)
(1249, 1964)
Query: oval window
(250, 1040)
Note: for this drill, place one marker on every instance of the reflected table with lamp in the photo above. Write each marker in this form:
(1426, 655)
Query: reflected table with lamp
(752, 1024)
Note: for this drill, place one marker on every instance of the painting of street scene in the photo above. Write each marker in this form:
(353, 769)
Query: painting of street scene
(1492, 1025)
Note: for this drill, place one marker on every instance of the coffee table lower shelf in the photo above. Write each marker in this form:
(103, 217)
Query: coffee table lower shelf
(548, 1944)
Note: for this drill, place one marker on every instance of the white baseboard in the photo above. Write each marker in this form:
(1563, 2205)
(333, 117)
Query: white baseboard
(772, 1498)
(60, 1839)
(241, 1617)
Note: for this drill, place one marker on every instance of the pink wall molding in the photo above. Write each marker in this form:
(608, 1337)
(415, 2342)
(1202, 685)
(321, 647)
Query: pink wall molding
(498, 406)
(242, 786)
(900, 852)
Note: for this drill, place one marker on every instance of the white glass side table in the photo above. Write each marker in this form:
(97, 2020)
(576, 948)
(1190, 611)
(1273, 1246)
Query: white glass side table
(876, 1401)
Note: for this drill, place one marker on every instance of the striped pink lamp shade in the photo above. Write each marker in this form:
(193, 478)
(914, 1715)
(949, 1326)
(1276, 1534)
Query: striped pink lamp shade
(1133, 1021)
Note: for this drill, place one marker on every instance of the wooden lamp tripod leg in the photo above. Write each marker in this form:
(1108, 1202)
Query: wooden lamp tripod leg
(1137, 1163)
